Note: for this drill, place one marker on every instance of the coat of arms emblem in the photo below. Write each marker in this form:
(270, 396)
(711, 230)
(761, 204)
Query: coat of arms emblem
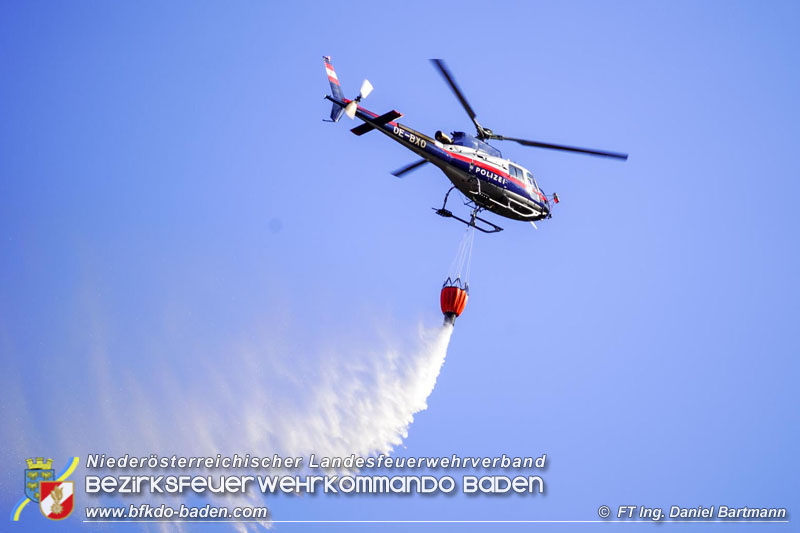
(38, 470)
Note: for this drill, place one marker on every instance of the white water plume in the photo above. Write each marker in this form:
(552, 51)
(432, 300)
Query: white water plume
(354, 400)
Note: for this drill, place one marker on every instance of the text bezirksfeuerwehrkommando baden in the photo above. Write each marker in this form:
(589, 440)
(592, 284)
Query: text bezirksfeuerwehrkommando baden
(154, 474)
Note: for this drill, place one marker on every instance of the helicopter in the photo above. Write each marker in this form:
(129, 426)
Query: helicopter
(488, 181)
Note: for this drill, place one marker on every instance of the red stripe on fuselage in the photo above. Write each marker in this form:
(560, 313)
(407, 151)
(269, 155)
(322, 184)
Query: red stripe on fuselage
(489, 169)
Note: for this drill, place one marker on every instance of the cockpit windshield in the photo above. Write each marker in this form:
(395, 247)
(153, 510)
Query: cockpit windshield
(464, 139)
(529, 178)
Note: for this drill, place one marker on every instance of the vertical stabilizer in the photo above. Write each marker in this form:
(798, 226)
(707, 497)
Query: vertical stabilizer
(336, 89)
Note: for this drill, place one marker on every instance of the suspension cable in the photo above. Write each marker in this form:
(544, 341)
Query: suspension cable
(460, 267)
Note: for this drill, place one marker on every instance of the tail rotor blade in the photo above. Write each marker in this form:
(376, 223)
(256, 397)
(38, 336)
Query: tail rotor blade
(351, 108)
(409, 168)
(366, 88)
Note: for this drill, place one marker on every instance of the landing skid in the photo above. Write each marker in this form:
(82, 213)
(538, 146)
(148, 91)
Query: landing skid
(485, 226)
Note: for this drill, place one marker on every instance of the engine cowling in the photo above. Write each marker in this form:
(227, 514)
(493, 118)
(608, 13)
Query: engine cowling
(442, 137)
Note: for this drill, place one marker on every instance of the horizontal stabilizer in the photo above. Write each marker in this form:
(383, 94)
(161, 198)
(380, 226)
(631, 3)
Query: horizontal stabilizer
(366, 127)
(363, 128)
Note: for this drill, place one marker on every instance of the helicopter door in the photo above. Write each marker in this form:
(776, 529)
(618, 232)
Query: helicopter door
(519, 174)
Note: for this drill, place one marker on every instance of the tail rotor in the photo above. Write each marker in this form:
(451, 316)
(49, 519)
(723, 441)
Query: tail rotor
(350, 109)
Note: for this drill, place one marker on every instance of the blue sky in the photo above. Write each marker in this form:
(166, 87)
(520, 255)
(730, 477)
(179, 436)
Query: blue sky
(168, 190)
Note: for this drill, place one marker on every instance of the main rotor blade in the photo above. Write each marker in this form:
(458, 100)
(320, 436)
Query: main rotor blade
(438, 63)
(550, 146)
(409, 168)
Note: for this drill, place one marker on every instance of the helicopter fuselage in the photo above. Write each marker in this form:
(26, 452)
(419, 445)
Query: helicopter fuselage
(475, 168)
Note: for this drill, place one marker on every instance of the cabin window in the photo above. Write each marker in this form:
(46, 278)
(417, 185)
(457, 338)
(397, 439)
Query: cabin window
(514, 172)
